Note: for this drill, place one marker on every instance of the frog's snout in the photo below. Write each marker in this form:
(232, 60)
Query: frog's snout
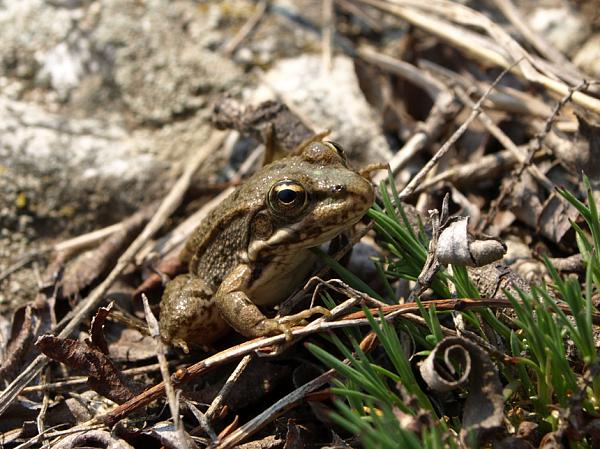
(362, 192)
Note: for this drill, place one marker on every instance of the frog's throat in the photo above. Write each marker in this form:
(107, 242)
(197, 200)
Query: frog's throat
(280, 237)
(292, 236)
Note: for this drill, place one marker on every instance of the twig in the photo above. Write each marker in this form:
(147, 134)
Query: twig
(203, 422)
(42, 414)
(166, 208)
(164, 370)
(505, 140)
(281, 406)
(59, 433)
(534, 145)
(443, 111)
(82, 380)
(504, 98)
(350, 320)
(473, 43)
(231, 380)
(289, 401)
(360, 13)
(216, 360)
(327, 33)
(69, 246)
(410, 188)
(486, 167)
(248, 28)
(403, 69)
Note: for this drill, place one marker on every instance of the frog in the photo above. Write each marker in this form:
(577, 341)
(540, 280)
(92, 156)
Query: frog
(254, 249)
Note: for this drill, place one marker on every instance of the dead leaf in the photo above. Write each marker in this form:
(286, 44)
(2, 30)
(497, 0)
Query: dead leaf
(131, 346)
(293, 438)
(456, 246)
(103, 376)
(169, 437)
(457, 362)
(97, 328)
(92, 438)
(29, 322)
(491, 280)
(555, 218)
(529, 431)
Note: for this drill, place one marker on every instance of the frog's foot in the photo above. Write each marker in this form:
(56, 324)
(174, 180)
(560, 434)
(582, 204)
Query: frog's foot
(180, 344)
(367, 172)
(298, 318)
(286, 323)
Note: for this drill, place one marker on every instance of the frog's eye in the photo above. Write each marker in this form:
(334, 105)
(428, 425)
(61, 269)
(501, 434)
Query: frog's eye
(337, 147)
(287, 197)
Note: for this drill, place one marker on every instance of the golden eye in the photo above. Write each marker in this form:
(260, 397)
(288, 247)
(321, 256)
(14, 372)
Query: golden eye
(287, 197)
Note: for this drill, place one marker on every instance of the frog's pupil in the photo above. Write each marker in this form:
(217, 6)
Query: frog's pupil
(286, 196)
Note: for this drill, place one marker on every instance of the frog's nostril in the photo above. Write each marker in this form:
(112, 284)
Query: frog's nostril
(338, 188)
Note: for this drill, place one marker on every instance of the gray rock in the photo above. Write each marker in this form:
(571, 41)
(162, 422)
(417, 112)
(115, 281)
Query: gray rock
(160, 68)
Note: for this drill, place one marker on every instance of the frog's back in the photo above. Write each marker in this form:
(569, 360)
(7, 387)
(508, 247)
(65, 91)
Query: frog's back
(217, 243)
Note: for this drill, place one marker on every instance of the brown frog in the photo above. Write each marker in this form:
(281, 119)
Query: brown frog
(253, 249)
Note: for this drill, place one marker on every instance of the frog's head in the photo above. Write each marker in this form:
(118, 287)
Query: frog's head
(309, 198)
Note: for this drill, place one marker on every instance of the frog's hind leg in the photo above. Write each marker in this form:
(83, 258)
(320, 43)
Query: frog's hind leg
(188, 315)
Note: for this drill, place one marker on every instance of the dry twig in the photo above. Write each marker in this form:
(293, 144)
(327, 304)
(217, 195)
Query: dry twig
(419, 177)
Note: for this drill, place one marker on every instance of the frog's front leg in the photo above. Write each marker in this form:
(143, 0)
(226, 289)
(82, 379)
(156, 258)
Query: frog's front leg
(244, 316)
(239, 311)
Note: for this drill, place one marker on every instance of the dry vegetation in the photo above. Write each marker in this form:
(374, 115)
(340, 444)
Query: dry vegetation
(125, 122)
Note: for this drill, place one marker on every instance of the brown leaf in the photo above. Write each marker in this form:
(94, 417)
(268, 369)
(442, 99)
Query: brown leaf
(529, 431)
(97, 328)
(103, 376)
(293, 438)
(491, 280)
(555, 218)
(29, 322)
(131, 345)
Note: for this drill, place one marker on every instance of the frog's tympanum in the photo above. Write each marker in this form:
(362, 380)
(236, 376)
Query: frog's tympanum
(253, 249)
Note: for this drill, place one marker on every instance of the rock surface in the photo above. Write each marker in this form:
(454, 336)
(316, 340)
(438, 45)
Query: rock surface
(100, 103)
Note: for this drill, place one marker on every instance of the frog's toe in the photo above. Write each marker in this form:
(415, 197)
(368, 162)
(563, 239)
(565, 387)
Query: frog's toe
(299, 317)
